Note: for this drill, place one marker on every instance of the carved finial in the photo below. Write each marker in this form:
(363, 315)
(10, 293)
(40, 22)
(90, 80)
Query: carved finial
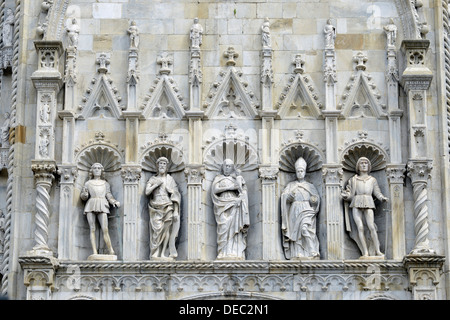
(165, 60)
(103, 61)
(360, 59)
(231, 54)
(298, 62)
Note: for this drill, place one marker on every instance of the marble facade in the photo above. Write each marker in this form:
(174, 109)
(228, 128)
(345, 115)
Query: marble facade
(262, 83)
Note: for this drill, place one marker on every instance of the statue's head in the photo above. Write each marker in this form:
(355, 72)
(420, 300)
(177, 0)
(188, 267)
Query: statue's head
(363, 163)
(98, 170)
(300, 168)
(228, 167)
(162, 164)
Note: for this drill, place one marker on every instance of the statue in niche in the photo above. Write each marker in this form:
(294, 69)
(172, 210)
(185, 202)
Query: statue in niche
(134, 35)
(4, 130)
(196, 34)
(164, 211)
(330, 35)
(230, 199)
(97, 192)
(73, 31)
(8, 27)
(359, 191)
(300, 204)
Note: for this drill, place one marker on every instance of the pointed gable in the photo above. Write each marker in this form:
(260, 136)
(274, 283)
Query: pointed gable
(299, 98)
(230, 96)
(361, 98)
(164, 100)
(101, 99)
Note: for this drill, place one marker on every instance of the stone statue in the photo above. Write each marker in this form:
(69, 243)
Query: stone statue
(359, 191)
(164, 211)
(330, 35)
(8, 27)
(391, 33)
(4, 130)
(300, 204)
(134, 35)
(265, 31)
(196, 34)
(229, 196)
(73, 30)
(98, 191)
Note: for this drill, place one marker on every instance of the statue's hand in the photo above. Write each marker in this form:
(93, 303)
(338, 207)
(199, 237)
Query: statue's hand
(117, 204)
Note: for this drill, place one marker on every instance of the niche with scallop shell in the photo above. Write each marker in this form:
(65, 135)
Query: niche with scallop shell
(245, 158)
(290, 154)
(172, 153)
(377, 156)
(110, 158)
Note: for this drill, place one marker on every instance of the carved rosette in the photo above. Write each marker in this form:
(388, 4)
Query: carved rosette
(419, 171)
(44, 175)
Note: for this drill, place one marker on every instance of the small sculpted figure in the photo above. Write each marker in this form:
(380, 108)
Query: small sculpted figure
(300, 204)
(230, 199)
(4, 130)
(73, 30)
(330, 35)
(134, 35)
(97, 192)
(359, 192)
(196, 34)
(164, 210)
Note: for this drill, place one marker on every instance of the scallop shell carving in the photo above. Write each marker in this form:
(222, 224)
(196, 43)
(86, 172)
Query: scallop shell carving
(376, 156)
(109, 158)
(243, 156)
(173, 154)
(290, 154)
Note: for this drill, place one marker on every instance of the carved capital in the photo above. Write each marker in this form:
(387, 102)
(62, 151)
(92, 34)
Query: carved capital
(195, 174)
(131, 173)
(396, 173)
(44, 171)
(332, 174)
(419, 171)
(416, 75)
(49, 53)
(68, 174)
(268, 173)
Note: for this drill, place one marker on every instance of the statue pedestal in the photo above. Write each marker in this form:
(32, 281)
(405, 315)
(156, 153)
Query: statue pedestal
(372, 257)
(102, 257)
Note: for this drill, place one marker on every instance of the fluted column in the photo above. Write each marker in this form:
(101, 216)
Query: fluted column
(132, 224)
(332, 175)
(67, 212)
(196, 213)
(272, 247)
